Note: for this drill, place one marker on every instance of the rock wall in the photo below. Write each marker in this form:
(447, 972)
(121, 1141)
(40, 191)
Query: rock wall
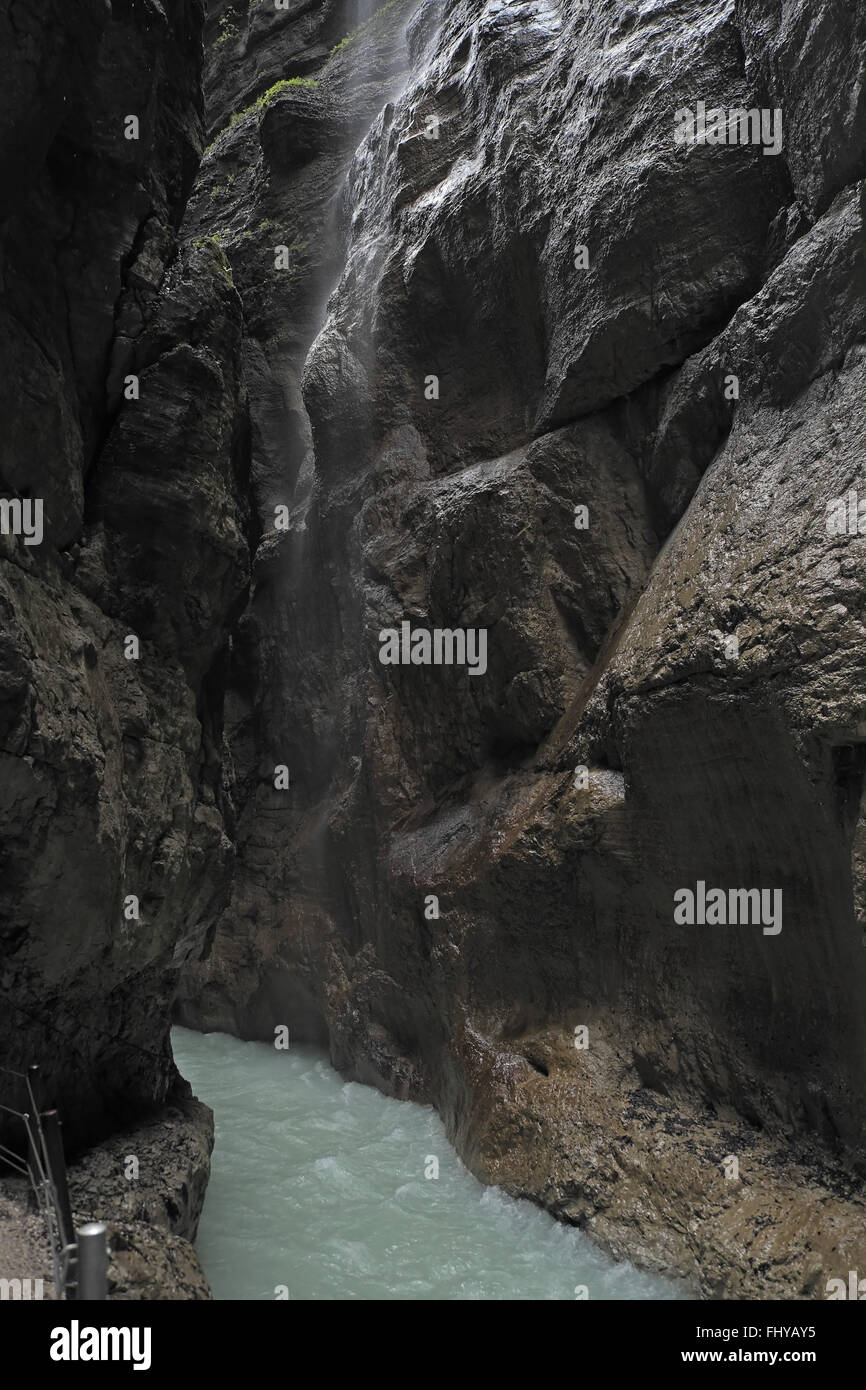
(377, 310)
(669, 335)
(126, 417)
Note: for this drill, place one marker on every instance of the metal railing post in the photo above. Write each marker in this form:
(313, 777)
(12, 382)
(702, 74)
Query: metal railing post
(74, 1255)
(35, 1091)
(35, 1086)
(57, 1173)
(92, 1261)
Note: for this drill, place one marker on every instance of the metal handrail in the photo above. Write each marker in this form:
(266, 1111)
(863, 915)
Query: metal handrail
(78, 1259)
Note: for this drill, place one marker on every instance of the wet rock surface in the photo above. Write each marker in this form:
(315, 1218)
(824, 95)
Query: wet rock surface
(519, 222)
(445, 329)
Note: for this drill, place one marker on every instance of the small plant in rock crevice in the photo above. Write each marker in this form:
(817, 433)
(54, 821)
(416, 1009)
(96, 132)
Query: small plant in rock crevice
(369, 26)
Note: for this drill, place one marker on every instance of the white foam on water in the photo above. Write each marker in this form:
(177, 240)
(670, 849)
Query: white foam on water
(318, 1184)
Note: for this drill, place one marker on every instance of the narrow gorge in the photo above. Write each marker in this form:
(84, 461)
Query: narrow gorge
(445, 646)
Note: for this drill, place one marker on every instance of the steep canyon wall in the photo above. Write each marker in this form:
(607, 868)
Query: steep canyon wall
(403, 291)
(520, 223)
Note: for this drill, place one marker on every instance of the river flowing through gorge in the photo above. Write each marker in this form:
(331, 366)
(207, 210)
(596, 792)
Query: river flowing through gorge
(318, 1190)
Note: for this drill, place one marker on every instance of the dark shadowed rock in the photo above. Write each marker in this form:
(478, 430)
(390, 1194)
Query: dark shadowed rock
(123, 387)
(448, 330)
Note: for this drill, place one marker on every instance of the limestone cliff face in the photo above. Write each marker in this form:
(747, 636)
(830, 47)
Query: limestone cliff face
(444, 284)
(124, 414)
(493, 196)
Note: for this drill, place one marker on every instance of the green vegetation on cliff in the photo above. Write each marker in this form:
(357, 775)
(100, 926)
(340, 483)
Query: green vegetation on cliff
(368, 27)
(267, 97)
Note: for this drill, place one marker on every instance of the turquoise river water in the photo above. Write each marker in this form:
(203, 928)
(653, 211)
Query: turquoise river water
(318, 1191)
